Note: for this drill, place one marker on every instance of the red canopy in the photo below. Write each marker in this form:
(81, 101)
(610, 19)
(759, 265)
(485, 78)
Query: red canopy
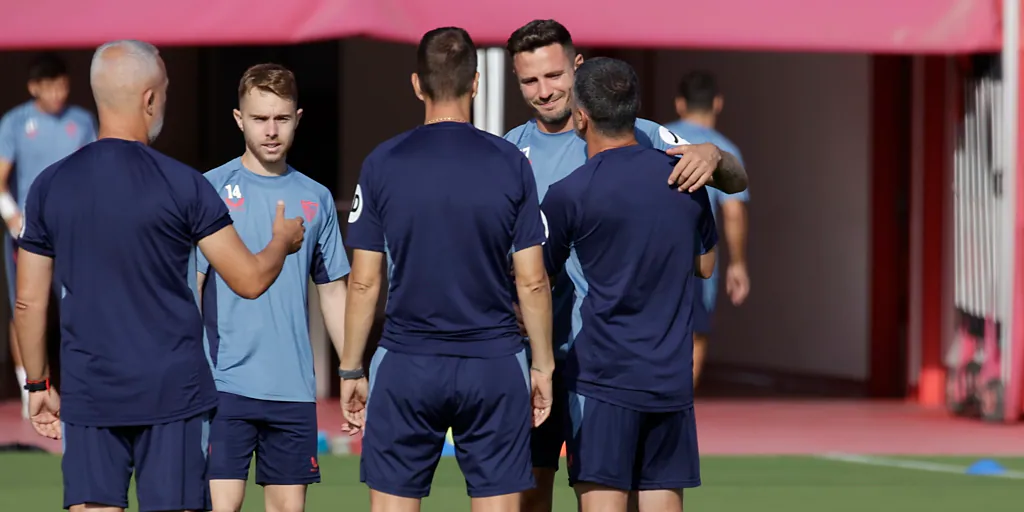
(883, 26)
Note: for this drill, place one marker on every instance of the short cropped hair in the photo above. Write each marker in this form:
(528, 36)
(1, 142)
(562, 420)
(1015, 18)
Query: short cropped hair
(47, 66)
(273, 78)
(446, 63)
(538, 34)
(699, 89)
(609, 91)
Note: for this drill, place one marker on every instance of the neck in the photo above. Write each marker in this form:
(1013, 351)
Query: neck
(559, 127)
(39, 107)
(705, 119)
(598, 142)
(114, 125)
(252, 163)
(451, 110)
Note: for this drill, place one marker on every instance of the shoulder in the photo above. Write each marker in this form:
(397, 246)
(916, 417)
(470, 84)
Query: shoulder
(218, 175)
(80, 114)
(313, 187)
(652, 134)
(16, 114)
(516, 135)
(505, 146)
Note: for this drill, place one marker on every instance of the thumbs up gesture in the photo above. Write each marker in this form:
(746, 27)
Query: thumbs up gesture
(291, 231)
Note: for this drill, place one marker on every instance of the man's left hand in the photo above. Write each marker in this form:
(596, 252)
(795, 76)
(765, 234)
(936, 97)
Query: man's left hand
(696, 165)
(44, 411)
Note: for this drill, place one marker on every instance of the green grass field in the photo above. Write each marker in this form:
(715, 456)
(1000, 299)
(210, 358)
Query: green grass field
(32, 482)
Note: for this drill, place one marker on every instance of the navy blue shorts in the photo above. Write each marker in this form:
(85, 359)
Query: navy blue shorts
(631, 450)
(282, 435)
(169, 461)
(413, 401)
(547, 440)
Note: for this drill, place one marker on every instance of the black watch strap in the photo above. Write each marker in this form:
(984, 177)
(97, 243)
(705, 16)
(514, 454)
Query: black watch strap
(351, 374)
(33, 386)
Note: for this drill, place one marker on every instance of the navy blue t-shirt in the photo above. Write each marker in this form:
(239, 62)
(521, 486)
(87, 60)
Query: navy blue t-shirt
(632, 241)
(121, 221)
(447, 202)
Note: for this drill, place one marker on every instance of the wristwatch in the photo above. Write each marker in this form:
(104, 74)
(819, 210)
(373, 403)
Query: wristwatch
(351, 374)
(33, 386)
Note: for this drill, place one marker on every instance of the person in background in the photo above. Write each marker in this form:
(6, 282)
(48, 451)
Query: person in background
(34, 135)
(698, 103)
(260, 350)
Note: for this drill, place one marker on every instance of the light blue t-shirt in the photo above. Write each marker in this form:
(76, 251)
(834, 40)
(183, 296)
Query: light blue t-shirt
(261, 348)
(697, 134)
(554, 156)
(33, 140)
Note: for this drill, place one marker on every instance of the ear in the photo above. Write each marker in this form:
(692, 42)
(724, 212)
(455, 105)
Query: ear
(476, 83)
(149, 101)
(33, 89)
(238, 118)
(298, 117)
(681, 107)
(580, 119)
(416, 87)
(578, 61)
(717, 104)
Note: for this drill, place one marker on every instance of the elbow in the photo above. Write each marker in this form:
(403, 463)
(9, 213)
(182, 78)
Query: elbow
(363, 287)
(533, 285)
(705, 265)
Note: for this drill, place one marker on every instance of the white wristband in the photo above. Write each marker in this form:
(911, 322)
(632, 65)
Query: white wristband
(8, 208)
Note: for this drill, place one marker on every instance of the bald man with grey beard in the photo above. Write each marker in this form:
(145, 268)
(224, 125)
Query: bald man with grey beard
(116, 224)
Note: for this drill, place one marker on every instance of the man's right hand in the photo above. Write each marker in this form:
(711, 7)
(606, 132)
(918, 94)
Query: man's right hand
(290, 231)
(540, 391)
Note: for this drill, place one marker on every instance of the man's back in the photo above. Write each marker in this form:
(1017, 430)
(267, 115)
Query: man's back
(633, 242)
(444, 200)
(121, 220)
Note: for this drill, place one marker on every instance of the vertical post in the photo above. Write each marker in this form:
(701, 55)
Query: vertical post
(1010, 289)
(480, 101)
(495, 91)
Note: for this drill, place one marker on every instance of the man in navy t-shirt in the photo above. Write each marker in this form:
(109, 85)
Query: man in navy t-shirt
(446, 203)
(636, 243)
(116, 224)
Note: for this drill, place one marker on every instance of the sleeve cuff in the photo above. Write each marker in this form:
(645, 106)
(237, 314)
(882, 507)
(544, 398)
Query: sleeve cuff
(214, 227)
(35, 248)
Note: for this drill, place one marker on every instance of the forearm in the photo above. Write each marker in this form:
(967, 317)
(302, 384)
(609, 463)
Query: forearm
(735, 224)
(535, 304)
(30, 324)
(360, 310)
(200, 280)
(267, 264)
(332, 306)
(730, 176)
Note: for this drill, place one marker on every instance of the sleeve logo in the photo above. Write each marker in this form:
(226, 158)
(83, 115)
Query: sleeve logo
(357, 205)
(670, 138)
(544, 220)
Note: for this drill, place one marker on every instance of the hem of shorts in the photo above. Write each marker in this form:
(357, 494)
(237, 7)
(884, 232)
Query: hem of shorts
(415, 494)
(221, 476)
(607, 482)
(184, 415)
(587, 390)
(289, 481)
(669, 486)
(499, 490)
(553, 467)
(119, 504)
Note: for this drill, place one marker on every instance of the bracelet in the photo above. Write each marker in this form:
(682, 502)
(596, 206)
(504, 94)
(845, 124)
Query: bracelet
(33, 386)
(351, 374)
(538, 370)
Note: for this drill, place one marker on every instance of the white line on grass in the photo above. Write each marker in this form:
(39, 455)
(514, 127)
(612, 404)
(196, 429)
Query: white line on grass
(919, 465)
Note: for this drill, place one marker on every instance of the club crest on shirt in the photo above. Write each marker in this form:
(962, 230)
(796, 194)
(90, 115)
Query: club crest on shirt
(309, 209)
(71, 128)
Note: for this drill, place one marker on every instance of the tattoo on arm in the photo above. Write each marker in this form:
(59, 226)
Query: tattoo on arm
(730, 177)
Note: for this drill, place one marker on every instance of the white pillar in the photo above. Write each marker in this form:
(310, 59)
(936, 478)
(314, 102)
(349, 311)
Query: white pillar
(480, 101)
(495, 109)
(1007, 252)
